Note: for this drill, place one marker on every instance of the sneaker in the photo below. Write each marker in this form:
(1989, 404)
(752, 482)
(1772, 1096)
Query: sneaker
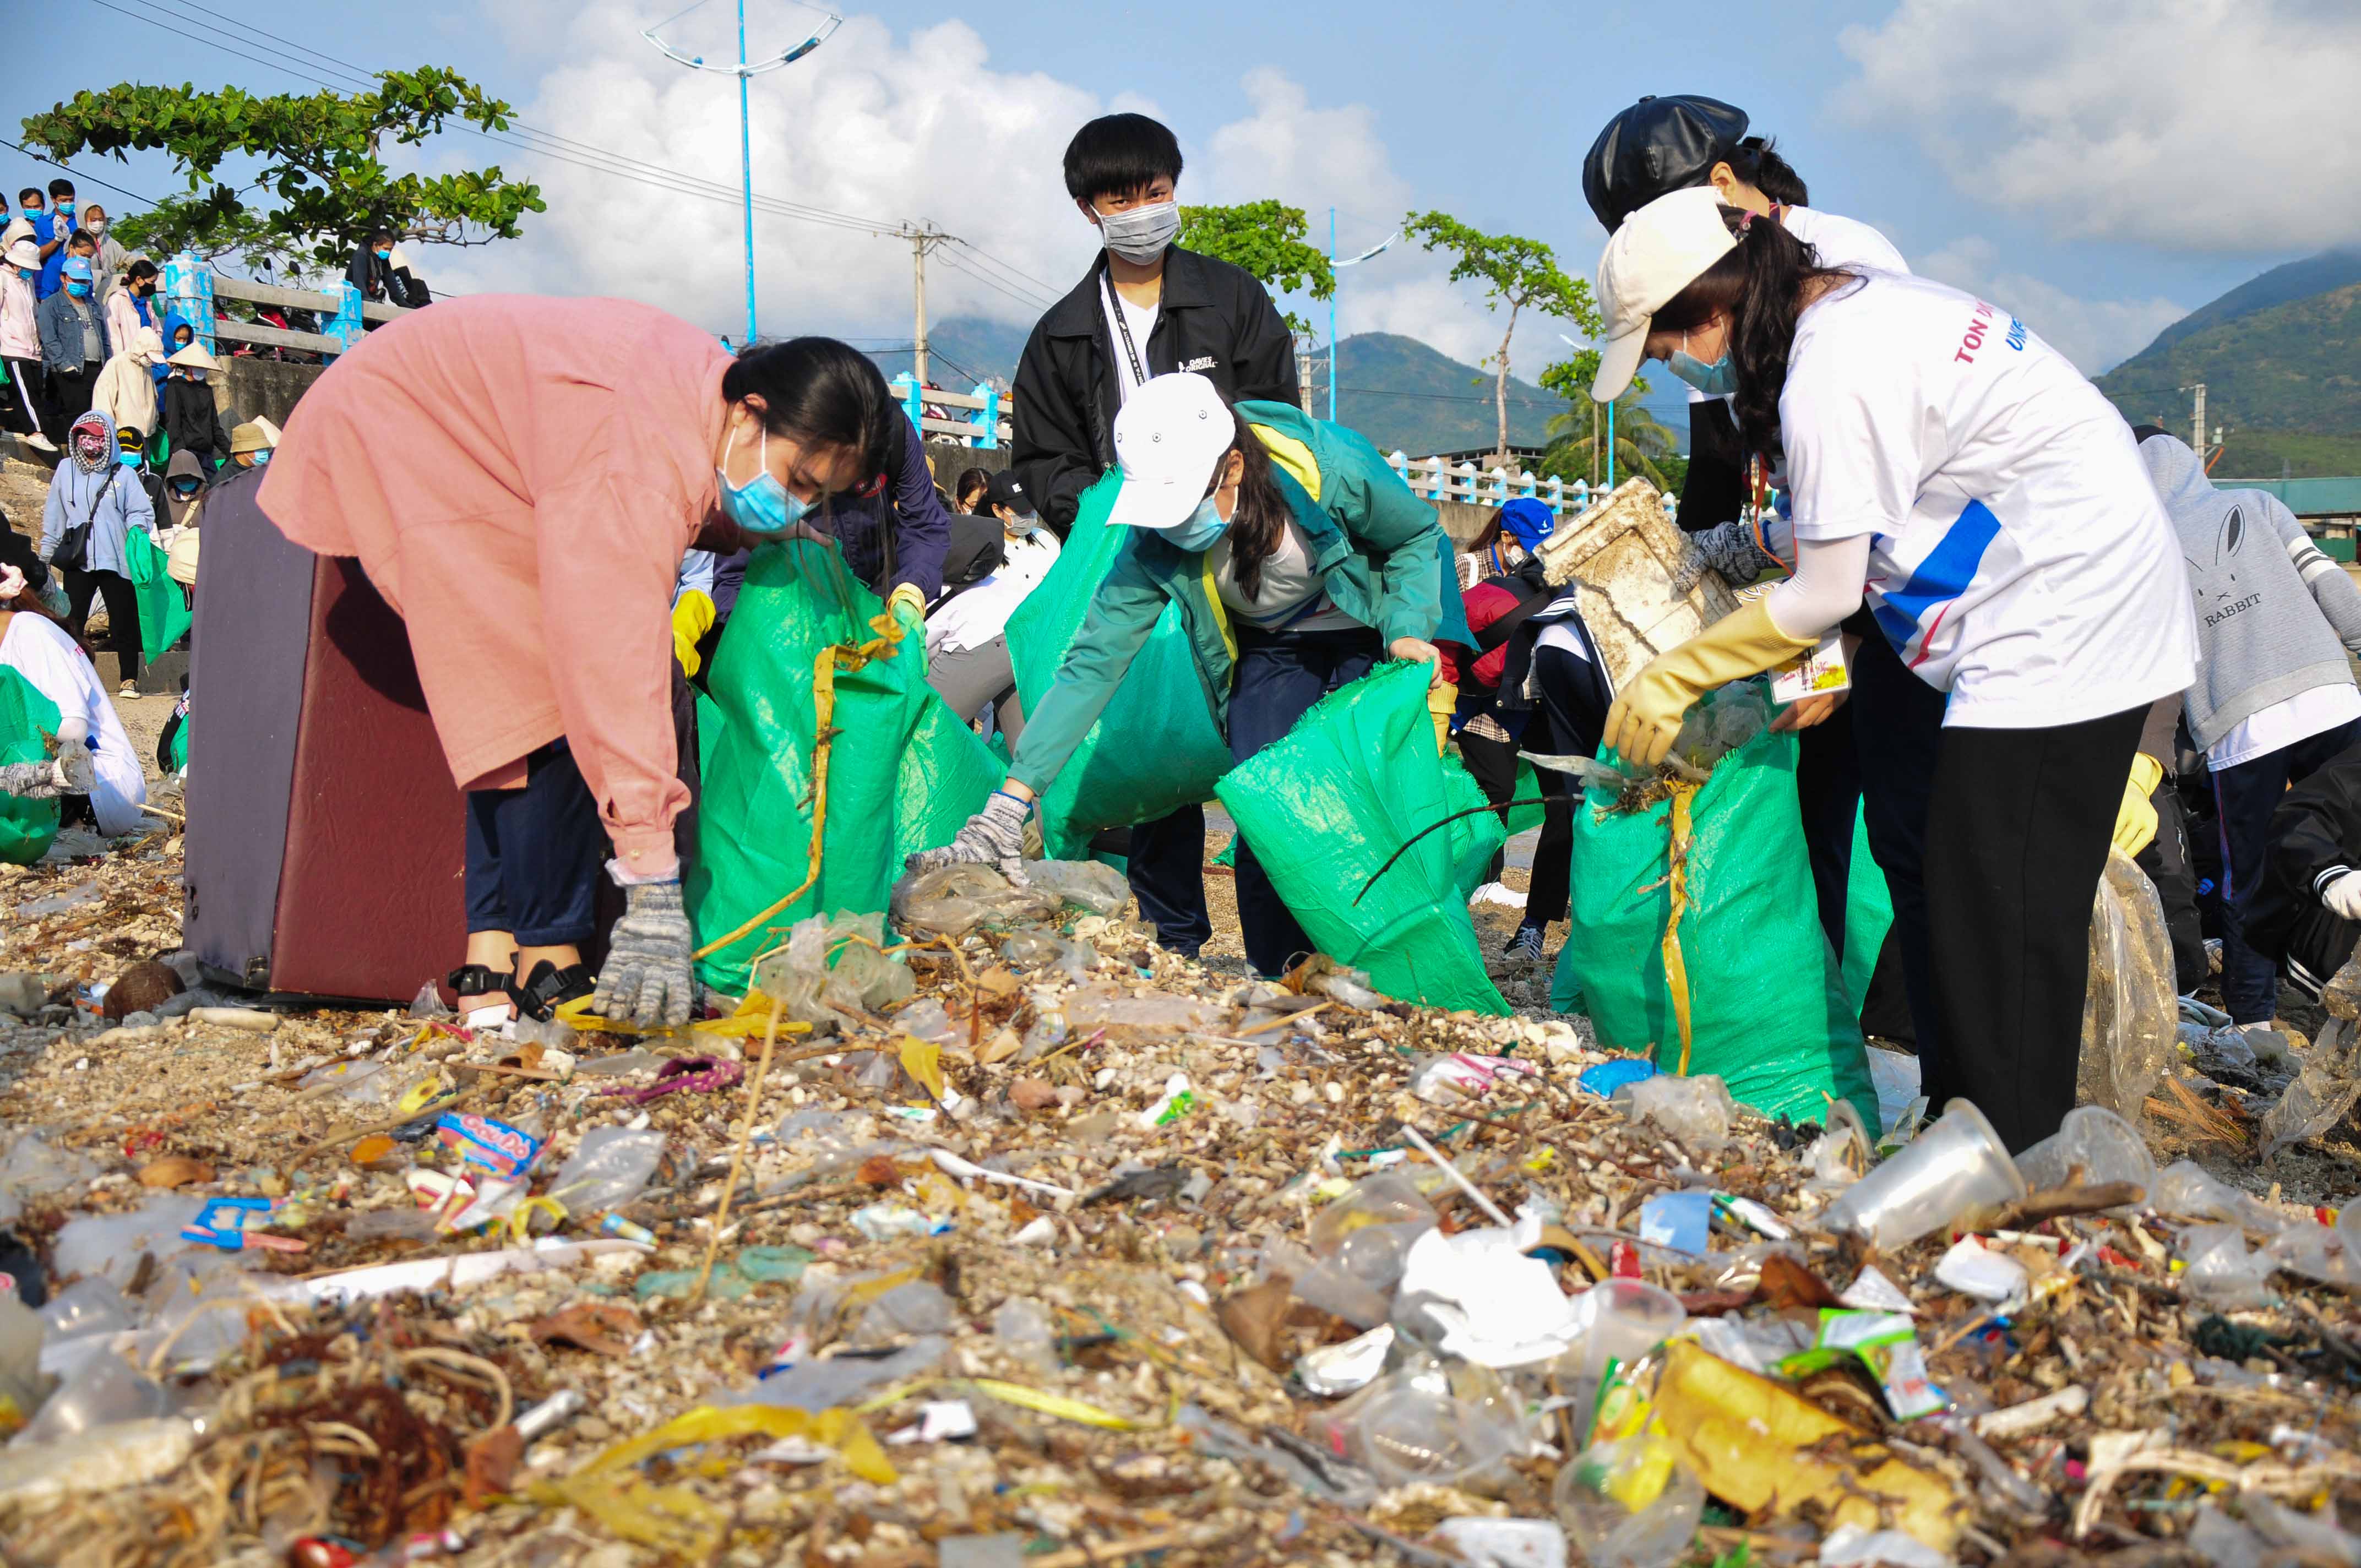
(38, 441)
(129, 688)
(1526, 943)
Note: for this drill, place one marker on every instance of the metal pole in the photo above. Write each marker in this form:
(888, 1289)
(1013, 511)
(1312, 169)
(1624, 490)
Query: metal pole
(1610, 446)
(918, 264)
(746, 167)
(1332, 315)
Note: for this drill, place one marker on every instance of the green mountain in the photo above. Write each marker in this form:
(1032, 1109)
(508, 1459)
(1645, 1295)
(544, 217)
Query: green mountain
(2277, 356)
(1402, 394)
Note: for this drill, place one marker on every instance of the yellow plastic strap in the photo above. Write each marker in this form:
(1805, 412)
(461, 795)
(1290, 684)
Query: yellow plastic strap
(1677, 971)
(1056, 1405)
(746, 1023)
(839, 1428)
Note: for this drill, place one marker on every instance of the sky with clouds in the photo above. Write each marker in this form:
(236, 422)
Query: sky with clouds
(2097, 170)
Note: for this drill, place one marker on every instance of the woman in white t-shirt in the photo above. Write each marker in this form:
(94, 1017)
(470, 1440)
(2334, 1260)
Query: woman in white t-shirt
(98, 756)
(967, 640)
(1955, 471)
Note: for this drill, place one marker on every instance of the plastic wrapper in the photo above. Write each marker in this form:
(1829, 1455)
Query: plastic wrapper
(608, 1167)
(2324, 1090)
(1352, 782)
(888, 745)
(1695, 1109)
(1389, 1198)
(951, 901)
(1091, 884)
(2131, 1018)
(843, 1380)
(104, 1389)
(111, 1243)
(2222, 1272)
(1155, 747)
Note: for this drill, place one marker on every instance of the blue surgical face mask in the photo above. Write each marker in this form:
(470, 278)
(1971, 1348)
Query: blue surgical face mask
(760, 505)
(1719, 379)
(79, 291)
(385, 255)
(262, 458)
(193, 374)
(1198, 531)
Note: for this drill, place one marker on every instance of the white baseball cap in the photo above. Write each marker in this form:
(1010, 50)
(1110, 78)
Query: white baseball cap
(1658, 251)
(1168, 436)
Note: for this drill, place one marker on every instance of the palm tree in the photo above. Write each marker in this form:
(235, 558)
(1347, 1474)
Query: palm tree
(1577, 444)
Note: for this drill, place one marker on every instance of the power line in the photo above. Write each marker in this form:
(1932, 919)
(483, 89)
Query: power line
(78, 174)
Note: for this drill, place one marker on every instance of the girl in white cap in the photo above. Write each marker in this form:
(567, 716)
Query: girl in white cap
(1285, 598)
(1989, 504)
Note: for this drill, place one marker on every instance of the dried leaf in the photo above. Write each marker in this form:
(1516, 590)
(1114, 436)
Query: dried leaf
(1254, 1318)
(923, 1061)
(602, 1328)
(1000, 1048)
(174, 1171)
(1788, 1284)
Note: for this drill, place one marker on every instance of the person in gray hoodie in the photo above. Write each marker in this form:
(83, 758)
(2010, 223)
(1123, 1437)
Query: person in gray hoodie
(2275, 698)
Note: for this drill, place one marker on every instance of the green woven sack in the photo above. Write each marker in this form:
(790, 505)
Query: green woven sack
(163, 608)
(1156, 747)
(1355, 778)
(1869, 911)
(27, 826)
(899, 777)
(1768, 1006)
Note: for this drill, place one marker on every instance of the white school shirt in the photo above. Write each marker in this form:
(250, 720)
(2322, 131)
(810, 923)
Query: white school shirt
(2018, 560)
(46, 656)
(977, 614)
(1141, 320)
(1841, 242)
(1291, 596)
(2281, 725)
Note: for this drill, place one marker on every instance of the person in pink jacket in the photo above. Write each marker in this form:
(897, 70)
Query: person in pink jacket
(520, 477)
(20, 345)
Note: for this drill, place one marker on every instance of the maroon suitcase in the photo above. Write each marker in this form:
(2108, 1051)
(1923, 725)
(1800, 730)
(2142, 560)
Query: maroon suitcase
(325, 841)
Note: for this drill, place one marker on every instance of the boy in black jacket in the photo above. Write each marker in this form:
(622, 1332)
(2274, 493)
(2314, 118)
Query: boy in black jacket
(2307, 912)
(1146, 309)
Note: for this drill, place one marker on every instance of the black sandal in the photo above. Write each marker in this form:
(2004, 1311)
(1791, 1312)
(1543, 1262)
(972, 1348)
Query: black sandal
(549, 987)
(477, 980)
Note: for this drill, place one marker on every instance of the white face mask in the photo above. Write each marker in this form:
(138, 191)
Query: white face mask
(1140, 235)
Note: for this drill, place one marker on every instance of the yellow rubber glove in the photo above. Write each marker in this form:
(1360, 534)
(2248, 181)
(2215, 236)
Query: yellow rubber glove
(1441, 701)
(1646, 719)
(692, 618)
(2135, 819)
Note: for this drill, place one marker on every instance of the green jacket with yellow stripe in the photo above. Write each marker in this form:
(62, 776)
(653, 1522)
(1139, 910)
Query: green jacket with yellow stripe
(1381, 550)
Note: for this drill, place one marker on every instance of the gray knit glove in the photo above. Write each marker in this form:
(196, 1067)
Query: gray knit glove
(1727, 548)
(993, 837)
(32, 781)
(647, 979)
(77, 770)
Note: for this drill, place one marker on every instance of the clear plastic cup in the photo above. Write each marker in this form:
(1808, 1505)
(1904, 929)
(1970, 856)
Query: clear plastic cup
(1957, 1164)
(1412, 1434)
(1627, 1318)
(1631, 1503)
(2105, 1145)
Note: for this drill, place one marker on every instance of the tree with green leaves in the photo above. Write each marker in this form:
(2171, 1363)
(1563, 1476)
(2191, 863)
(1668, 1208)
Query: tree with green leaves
(315, 156)
(1644, 444)
(182, 222)
(1518, 274)
(1266, 239)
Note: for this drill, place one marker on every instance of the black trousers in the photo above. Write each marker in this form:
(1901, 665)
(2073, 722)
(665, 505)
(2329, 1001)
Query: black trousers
(2019, 823)
(22, 401)
(1493, 765)
(2169, 864)
(69, 400)
(1897, 730)
(122, 613)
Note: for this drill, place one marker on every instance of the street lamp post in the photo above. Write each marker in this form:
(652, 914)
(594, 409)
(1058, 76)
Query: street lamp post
(743, 71)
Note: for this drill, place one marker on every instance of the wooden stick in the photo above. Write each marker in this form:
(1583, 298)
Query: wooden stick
(168, 815)
(1269, 1024)
(737, 1155)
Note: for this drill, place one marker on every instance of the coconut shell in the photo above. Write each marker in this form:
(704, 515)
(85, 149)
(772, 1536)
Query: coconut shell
(142, 988)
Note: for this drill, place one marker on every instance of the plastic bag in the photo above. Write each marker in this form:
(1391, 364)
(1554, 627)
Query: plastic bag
(27, 826)
(1768, 1007)
(164, 614)
(1352, 782)
(610, 1167)
(1156, 746)
(2322, 1092)
(754, 818)
(2131, 1019)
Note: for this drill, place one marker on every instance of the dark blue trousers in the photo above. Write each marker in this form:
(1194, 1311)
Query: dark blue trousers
(1280, 675)
(1166, 865)
(2244, 797)
(534, 855)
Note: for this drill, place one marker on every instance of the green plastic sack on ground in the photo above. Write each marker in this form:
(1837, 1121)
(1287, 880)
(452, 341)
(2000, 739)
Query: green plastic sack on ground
(753, 826)
(1156, 747)
(27, 826)
(163, 608)
(1355, 778)
(1869, 911)
(1768, 1008)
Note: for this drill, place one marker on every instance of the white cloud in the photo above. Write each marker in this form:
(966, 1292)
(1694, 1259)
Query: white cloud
(2207, 125)
(892, 126)
(2096, 335)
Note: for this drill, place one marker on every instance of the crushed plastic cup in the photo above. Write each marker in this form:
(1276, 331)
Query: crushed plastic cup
(1625, 1320)
(1389, 1198)
(1956, 1165)
(1632, 1503)
(2221, 1271)
(1412, 1434)
(2102, 1145)
(102, 1389)
(1696, 1110)
(608, 1167)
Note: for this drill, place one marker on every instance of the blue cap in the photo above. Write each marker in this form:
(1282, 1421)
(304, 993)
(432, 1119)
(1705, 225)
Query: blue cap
(1527, 520)
(78, 268)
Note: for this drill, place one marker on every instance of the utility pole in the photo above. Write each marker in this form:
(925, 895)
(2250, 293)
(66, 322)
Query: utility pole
(1303, 370)
(743, 71)
(922, 240)
(2197, 423)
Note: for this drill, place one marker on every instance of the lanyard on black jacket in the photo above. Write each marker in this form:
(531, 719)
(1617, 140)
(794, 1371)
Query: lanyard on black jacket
(1123, 326)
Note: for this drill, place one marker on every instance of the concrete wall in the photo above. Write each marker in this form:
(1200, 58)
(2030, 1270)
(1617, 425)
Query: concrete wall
(248, 387)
